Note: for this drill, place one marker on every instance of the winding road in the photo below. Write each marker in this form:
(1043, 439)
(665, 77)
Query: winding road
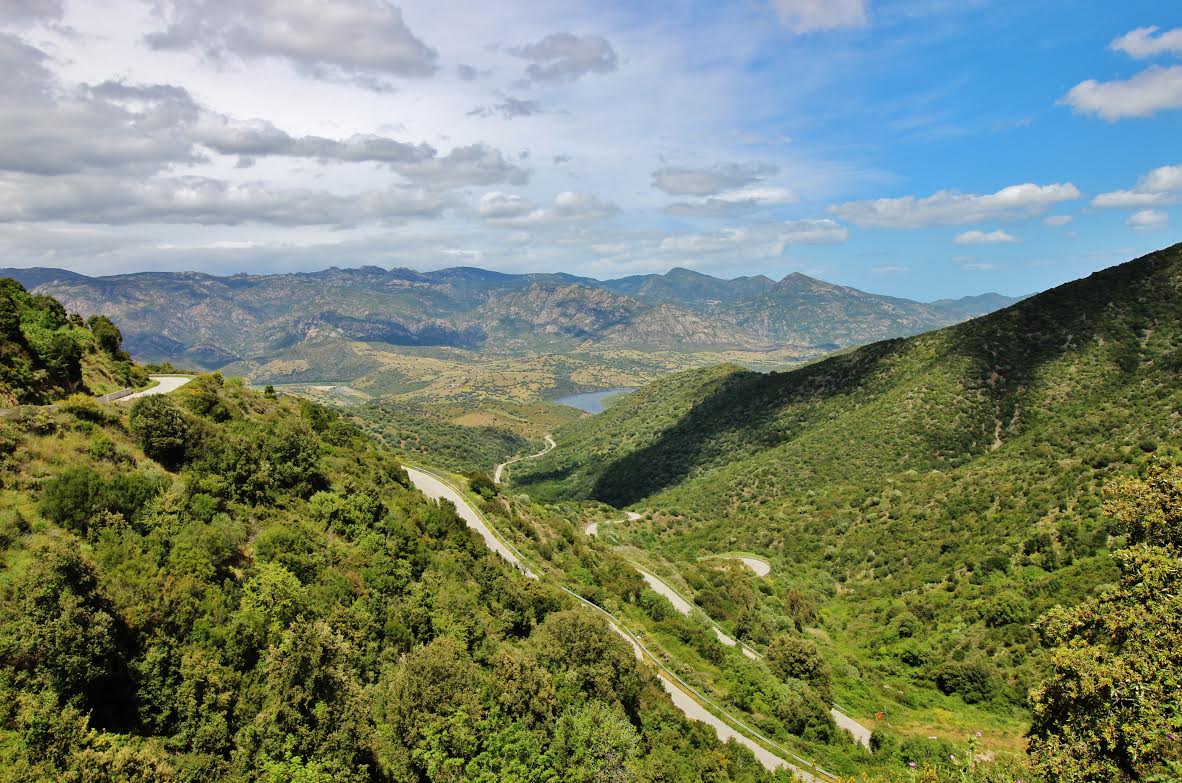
(684, 697)
(165, 384)
(593, 528)
(500, 469)
(435, 488)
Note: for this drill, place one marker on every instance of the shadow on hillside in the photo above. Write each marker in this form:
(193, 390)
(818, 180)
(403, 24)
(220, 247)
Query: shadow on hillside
(733, 420)
(1005, 352)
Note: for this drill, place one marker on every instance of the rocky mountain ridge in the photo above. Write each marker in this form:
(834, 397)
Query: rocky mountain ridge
(209, 321)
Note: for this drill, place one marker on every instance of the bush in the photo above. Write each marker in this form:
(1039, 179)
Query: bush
(161, 430)
(1006, 608)
(79, 494)
(790, 657)
(106, 335)
(974, 681)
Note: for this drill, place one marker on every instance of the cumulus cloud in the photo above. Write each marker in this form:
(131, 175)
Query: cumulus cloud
(504, 209)
(976, 237)
(949, 207)
(733, 203)
(352, 39)
(1058, 221)
(1149, 42)
(684, 181)
(565, 57)
(53, 129)
(25, 11)
(758, 240)
(1148, 220)
(201, 200)
(1161, 186)
(805, 16)
(1145, 94)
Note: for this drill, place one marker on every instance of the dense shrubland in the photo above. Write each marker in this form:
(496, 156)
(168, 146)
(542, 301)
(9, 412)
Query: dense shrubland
(420, 433)
(217, 585)
(922, 500)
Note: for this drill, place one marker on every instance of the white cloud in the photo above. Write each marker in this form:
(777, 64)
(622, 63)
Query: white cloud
(565, 57)
(949, 207)
(1149, 42)
(353, 39)
(201, 200)
(765, 240)
(504, 209)
(685, 181)
(733, 203)
(1159, 187)
(25, 11)
(1148, 220)
(890, 270)
(1145, 94)
(804, 16)
(976, 237)
(1058, 221)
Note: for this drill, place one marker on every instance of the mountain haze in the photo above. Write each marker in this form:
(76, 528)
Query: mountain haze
(211, 321)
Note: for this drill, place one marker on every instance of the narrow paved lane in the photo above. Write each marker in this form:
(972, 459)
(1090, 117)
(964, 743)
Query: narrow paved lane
(165, 385)
(499, 470)
(435, 489)
(593, 528)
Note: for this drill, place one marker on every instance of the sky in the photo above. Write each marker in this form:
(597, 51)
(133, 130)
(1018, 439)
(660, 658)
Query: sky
(919, 148)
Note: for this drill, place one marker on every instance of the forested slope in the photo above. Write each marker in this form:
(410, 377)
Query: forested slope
(46, 354)
(221, 585)
(929, 495)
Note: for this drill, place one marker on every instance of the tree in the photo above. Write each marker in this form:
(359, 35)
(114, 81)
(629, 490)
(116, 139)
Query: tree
(161, 430)
(1112, 707)
(63, 360)
(106, 334)
(796, 658)
(64, 634)
(595, 744)
(312, 708)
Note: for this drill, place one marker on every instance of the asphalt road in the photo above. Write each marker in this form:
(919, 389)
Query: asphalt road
(167, 383)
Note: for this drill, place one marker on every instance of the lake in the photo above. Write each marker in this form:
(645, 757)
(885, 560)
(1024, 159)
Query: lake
(593, 402)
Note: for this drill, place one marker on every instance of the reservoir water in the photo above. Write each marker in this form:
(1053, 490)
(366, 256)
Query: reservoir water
(593, 402)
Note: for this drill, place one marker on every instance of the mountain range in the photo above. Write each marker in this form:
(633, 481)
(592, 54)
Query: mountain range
(209, 322)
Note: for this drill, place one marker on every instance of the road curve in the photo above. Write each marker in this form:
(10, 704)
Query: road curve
(436, 489)
(593, 528)
(500, 469)
(165, 385)
(860, 733)
(692, 709)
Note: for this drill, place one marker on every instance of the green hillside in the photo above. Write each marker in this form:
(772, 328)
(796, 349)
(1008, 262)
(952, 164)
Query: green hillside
(47, 354)
(926, 496)
(427, 435)
(223, 585)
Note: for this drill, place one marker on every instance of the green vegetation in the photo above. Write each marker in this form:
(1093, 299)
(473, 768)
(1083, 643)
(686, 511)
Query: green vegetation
(925, 498)
(222, 585)
(1112, 709)
(46, 354)
(423, 433)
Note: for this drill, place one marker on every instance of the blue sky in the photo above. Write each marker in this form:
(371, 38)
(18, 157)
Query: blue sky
(922, 148)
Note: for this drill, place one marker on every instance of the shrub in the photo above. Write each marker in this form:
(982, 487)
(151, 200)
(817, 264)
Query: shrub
(790, 657)
(974, 681)
(161, 430)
